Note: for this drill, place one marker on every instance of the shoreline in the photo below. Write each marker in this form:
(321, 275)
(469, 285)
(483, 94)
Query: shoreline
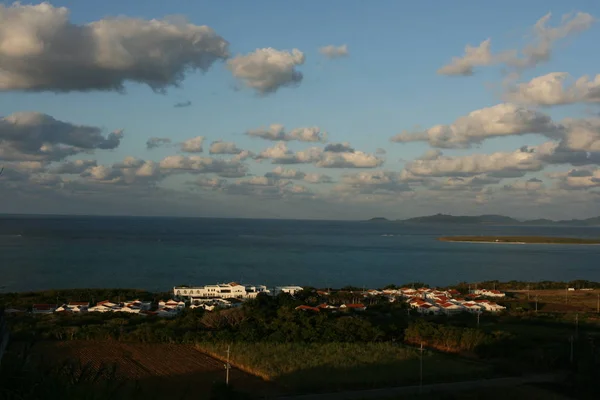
(521, 240)
(491, 242)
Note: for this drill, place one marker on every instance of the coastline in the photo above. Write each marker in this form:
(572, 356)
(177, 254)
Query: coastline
(530, 243)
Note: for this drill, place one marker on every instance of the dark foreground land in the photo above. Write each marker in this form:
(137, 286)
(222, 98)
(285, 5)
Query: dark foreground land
(519, 239)
(278, 351)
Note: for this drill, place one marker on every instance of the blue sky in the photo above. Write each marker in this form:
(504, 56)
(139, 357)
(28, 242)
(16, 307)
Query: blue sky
(388, 83)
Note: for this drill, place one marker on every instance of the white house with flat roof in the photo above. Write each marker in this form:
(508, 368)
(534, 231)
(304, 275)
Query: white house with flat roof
(292, 290)
(221, 290)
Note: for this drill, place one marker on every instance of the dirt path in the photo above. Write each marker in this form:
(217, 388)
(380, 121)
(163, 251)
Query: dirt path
(429, 389)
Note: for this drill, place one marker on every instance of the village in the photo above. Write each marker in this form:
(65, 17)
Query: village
(425, 301)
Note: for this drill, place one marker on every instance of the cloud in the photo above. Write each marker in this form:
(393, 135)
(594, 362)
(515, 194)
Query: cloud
(267, 70)
(431, 154)
(277, 132)
(476, 164)
(317, 178)
(129, 171)
(33, 136)
(532, 184)
(193, 145)
(339, 148)
(549, 90)
(183, 104)
(284, 173)
(73, 167)
(155, 142)
(280, 154)
(41, 50)
(333, 52)
(203, 165)
(356, 159)
(380, 151)
(212, 183)
(469, 183)
(374, 182)
(537, 51)
(220, 147)
(500, 120)
(577, 179)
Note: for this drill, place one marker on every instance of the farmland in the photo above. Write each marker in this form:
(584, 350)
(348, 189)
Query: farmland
(157, 369)
(561, 300)
(336, 366)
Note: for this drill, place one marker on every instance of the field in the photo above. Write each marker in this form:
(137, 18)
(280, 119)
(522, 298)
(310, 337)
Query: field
(561, 300)
(337, 366)
(157, 369)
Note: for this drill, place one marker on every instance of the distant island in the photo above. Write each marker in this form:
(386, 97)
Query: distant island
(489, 219)
(519, 239)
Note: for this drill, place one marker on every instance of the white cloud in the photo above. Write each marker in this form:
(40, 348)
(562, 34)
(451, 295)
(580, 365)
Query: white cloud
(193, 145)
(212, 183)
(475, 164)
(277, 132)
(155, 142)
(220, 147)
(129, 171)
(284, 173)
(198, 164)
(500, 120)
(267, 70)
(280, 154)
(332, 51)
(537, 51)
(32, 136)
(41, 50)
(431, 154)
(374, 182)
(532, 184)
(578, 179)
(549, 90)
(357, 159)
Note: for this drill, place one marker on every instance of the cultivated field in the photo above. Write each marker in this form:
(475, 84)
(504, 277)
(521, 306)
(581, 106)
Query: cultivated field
(561, 300)
(158, 370)
(344, 366)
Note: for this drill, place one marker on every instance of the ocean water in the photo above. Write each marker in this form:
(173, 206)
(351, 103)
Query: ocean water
(39, 253)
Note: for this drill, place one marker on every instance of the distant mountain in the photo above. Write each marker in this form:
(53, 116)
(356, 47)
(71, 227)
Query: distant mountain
(490, 219)
(451, 219)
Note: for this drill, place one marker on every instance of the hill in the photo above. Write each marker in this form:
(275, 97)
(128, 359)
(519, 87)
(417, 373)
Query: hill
(490, 219)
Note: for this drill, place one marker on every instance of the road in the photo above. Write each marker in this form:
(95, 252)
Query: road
(428, 389)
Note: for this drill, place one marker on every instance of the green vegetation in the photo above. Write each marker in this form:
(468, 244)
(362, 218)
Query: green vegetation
(519, 239)
(491, 219)
(336, 366)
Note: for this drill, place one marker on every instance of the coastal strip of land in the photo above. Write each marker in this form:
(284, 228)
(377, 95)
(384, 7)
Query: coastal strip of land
(519, 239)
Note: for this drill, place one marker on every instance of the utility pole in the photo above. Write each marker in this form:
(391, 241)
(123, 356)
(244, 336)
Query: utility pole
(478, 314)
(227, 366)
(536, 303)
(421, 370)
(571, 356)
(566, 294)
(576, 325)
(598, 305)
(528, 292)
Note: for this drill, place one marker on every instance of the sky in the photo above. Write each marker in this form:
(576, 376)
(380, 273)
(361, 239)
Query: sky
(320, 110)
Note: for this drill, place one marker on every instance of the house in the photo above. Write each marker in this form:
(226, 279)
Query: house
(450, 308)
(355, 307)
(43, 308)
(291, 290)
(307, 308)
(326, 306)
(427, 308)
(222, 290)
(73, 307)
(141, 305)
(472, 307)
(174, 304)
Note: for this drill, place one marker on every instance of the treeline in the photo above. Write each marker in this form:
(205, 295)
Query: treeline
(523, 285)
(24, 300)
(265, 318)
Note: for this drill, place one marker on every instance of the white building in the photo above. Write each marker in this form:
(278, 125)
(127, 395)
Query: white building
(221, 290)
(292, 290)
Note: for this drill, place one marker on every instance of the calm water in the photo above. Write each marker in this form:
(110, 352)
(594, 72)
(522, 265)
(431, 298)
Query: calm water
(157, 253)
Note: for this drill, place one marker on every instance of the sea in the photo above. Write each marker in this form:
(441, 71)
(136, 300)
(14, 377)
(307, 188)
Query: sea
(157, 253)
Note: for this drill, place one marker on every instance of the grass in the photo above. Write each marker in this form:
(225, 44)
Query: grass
(519, 239)
(337, 366)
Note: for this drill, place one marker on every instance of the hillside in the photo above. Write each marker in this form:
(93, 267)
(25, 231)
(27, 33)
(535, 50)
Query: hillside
(489, 219)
